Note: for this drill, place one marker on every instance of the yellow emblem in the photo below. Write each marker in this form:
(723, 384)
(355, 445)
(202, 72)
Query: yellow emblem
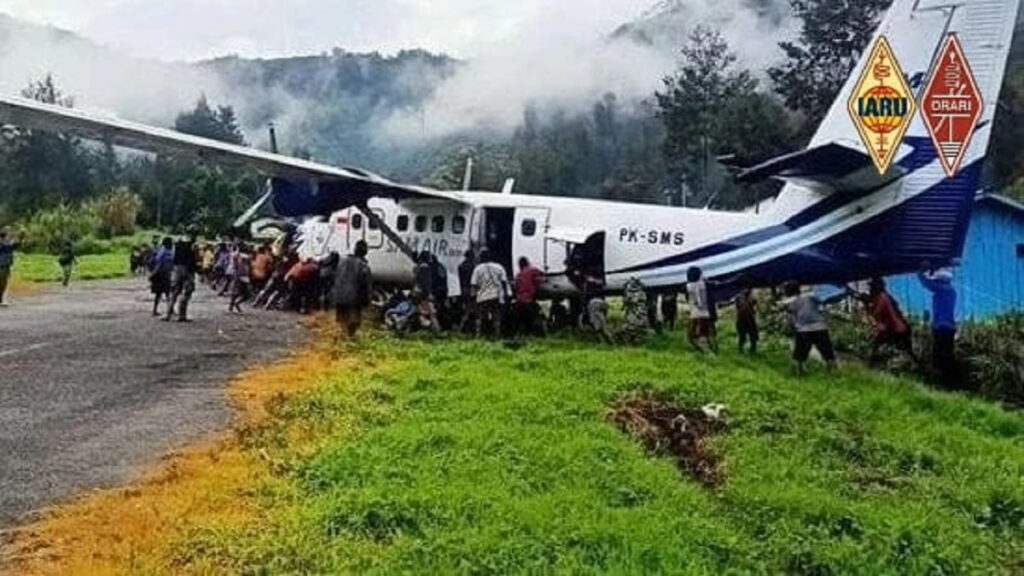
(882, 105)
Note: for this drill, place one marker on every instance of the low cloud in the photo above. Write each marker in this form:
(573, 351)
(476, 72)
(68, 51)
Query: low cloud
(553, 64)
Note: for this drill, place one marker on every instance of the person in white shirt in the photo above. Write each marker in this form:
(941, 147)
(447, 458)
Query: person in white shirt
(490, 288)
(700, 334)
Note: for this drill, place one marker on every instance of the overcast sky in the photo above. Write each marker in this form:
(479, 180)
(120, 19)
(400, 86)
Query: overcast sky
(195, 29)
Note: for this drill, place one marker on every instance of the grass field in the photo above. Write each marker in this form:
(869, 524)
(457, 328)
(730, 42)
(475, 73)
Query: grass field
(29, 268)
(410, 456)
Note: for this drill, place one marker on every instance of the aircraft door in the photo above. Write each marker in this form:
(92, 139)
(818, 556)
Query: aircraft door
(529, 235)
(586, 261)
(373, 235)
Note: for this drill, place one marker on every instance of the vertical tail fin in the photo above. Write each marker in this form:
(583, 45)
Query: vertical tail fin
(916, 30)
(922, 214)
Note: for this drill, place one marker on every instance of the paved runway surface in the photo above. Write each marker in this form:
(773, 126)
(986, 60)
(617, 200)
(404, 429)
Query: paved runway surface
(93, 388)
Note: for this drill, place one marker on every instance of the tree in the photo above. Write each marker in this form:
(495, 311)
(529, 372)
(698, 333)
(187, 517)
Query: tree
(1006, 152)
(491, 166)
(832, 37)
(205, 122)
(706, 84)
(46, 91)
(43, 169)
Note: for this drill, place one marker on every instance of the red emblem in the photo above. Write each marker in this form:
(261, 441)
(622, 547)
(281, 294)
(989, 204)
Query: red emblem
(951, 105)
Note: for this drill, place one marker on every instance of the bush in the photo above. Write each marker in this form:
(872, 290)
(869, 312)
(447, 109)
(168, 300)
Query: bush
(94, 227)
(91, 245)
(992, 357)
(48, 230)
(116, 213)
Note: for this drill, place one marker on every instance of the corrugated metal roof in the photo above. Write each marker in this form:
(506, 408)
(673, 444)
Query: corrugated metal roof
(1001, 200)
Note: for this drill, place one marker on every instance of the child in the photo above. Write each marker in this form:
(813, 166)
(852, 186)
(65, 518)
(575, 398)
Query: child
(400, 311)
(669, 310)
(746, 320)
(700, 311)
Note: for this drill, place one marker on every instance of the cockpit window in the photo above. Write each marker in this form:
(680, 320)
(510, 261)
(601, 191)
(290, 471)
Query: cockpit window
(458, 224)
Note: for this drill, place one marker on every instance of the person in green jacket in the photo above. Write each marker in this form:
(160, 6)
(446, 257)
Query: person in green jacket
(67, 260)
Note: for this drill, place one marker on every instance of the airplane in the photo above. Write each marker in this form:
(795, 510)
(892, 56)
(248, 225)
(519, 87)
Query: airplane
(836, 220)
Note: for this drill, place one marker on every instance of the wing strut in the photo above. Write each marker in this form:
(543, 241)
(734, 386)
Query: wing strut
(376, 220)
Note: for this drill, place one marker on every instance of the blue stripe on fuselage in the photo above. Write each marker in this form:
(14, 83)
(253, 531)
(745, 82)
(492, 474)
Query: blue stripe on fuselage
(923, 154)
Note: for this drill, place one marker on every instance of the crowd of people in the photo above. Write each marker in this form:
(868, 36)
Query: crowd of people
(490, 303)
(264, 275)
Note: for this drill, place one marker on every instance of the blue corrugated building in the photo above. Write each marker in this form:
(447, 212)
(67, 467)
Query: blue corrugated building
(990, 280)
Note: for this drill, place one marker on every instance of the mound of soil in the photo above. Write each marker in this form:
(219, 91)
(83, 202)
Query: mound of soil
(677, 431)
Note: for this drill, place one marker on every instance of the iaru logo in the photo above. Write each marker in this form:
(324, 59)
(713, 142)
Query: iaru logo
(882, 105)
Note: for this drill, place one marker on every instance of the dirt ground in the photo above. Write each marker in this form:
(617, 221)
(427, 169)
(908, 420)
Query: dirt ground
(667, 429)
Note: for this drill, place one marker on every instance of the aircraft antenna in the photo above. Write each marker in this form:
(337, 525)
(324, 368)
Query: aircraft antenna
(273, 138)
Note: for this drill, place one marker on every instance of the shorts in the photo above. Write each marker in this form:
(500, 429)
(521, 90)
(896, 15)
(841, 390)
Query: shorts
(819, 339)
(700, 328)
(160, 284)
(184, 281)
(426, 308)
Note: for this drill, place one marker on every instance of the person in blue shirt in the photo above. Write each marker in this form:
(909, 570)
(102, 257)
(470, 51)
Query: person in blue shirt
(940, 284)
(160, 277)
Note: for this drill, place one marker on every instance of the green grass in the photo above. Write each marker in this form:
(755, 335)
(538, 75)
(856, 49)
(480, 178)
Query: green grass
(468, 457)
(44, 267)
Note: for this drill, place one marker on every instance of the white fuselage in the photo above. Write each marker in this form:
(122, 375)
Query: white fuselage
(542, 229)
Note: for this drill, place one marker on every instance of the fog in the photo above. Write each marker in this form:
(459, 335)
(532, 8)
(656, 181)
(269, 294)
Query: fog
(99, 79)
(534, 53)
(558, 64)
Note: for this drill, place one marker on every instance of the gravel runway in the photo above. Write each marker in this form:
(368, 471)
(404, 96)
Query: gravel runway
(93, 388)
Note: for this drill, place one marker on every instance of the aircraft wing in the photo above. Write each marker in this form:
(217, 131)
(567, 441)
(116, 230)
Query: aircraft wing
(326, 188)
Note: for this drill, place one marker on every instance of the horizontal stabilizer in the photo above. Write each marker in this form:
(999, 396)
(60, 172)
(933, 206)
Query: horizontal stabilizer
(827, 168)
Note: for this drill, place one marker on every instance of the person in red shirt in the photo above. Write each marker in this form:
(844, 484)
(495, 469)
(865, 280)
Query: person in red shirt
(302, 281)
(262, 265)
(527, 310)
(889, 327)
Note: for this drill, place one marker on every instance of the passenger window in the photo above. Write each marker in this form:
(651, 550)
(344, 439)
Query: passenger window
(529, 228)
(357, 221)
(421, 223)
(458, 225)
(437, 225)
(373, 224)
(403, 223)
